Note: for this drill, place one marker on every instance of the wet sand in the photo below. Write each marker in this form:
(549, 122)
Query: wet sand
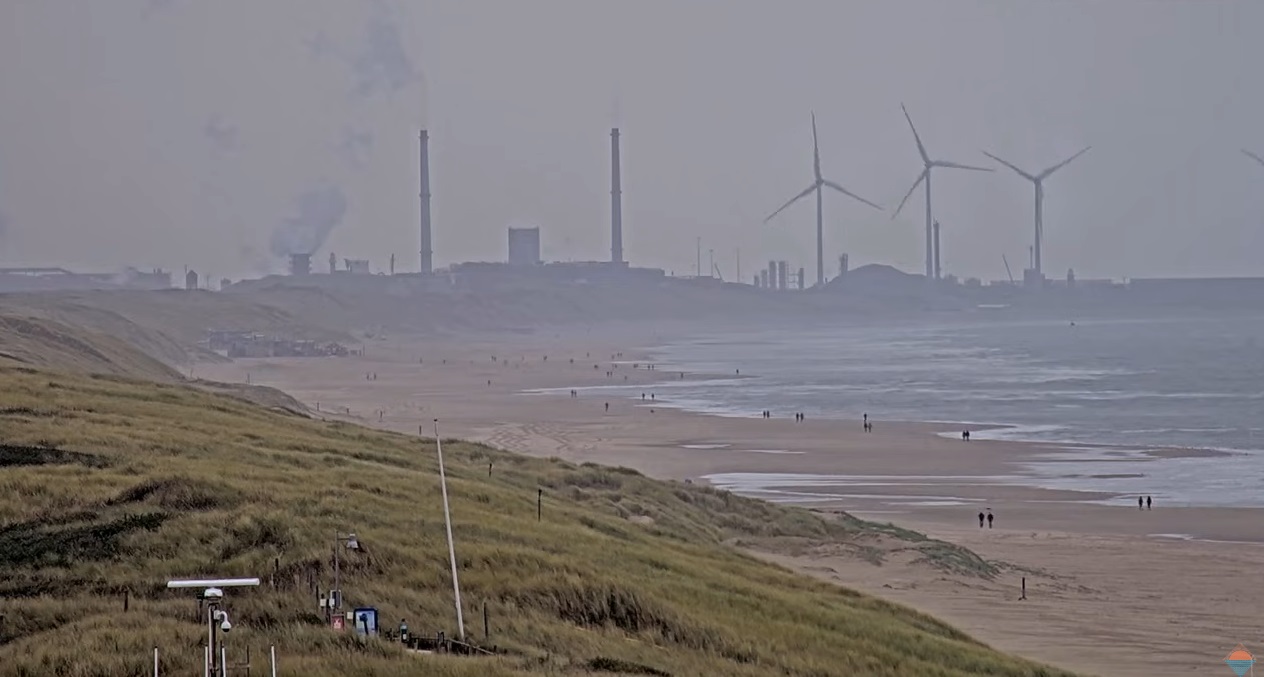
(1112, 590)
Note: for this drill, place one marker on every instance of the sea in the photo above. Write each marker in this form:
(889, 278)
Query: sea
(1102, 391)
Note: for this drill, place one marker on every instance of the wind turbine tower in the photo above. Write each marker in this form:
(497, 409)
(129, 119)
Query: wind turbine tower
(819, 182)
(927, 165)
(1037, 180)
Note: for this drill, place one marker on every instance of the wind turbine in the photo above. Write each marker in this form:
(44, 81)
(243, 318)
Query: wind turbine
(1253, 156)
(1038, 181)
(817, 184)
(932, 253)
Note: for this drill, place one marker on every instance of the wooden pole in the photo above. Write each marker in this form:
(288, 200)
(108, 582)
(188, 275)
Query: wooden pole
(1024, 588)
(539, 504)
(486, 631)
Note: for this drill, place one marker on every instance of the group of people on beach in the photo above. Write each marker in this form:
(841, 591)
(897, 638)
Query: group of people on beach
(1147, 502)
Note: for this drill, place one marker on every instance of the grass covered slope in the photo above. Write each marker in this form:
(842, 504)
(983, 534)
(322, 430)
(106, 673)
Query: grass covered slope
(109, 486)
(46, 343)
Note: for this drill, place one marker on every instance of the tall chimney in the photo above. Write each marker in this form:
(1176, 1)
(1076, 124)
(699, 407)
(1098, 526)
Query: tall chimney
(616, 201)
(427, 254)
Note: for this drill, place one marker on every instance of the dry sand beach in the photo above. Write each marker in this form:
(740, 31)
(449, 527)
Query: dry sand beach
(1106, 594)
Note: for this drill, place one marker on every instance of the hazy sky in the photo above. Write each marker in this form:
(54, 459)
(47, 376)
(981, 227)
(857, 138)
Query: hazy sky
(183, 132)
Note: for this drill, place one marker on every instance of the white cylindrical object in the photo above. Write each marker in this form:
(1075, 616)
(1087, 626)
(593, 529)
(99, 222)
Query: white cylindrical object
(155, 661)
(206, 664)
(214, 583)
(447, 519)
(223, 662)
(272, 652)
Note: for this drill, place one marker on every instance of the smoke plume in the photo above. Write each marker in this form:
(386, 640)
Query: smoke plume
(383, 63)
(380, 62)
(320, 210)
(355, 147)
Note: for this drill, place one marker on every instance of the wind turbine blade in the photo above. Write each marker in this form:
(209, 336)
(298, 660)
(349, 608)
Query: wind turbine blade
(1062, 164)
(920, 177)
(1020, 172)
(848, 193)
(920, 148)
(1253, 156)
(816, 150)
(793, 200)
(958, 165)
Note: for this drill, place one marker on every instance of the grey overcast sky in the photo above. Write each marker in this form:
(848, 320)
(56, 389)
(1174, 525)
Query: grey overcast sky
(183, 132)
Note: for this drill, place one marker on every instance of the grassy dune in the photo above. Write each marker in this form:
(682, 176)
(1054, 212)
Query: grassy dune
(109, 486)
(42, 342)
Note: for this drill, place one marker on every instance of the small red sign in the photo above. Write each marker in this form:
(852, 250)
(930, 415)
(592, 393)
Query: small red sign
(337, 621)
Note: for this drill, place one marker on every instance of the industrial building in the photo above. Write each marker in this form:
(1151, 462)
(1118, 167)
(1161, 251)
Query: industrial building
(524, 247)
(60, 279)
(300, 264)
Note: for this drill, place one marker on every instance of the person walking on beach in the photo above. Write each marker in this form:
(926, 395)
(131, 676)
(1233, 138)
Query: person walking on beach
(981, 518)
(1148, 502)
(990, 518)
(1140, 501)
(607, 407)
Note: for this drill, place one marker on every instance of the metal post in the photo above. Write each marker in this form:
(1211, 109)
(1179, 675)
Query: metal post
(155, 661)
(272, 651)
(206, 663)
(539, 504)
(447, 519)
(223, 662)
(337, 572)
(210, 637)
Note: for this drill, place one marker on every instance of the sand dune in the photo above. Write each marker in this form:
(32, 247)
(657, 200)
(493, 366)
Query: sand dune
(1105, 595)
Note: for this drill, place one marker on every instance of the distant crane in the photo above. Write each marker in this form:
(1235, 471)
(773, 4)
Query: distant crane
(1007, 270)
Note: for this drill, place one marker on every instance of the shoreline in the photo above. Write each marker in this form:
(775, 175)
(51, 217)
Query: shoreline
(1112, 590)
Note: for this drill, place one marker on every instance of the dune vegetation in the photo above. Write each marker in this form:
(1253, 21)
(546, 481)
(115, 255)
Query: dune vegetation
(109, 487)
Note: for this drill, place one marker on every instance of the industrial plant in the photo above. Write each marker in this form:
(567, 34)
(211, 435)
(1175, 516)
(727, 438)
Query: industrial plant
(527, 262)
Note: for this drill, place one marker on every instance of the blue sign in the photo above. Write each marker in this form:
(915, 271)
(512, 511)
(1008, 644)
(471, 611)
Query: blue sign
(364, 620)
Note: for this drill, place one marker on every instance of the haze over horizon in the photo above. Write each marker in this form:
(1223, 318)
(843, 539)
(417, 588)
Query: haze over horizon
(173, 132)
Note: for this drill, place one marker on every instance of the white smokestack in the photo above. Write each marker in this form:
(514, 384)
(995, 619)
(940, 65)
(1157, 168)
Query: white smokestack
(616, 201)
(427, 254)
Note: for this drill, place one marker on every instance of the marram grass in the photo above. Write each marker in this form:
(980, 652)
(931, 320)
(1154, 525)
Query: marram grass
(110, 487)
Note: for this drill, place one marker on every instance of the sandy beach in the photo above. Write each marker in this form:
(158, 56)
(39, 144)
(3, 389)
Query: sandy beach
(1111, 590)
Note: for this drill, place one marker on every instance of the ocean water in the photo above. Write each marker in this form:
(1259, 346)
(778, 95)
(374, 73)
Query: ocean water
(1094, 386)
